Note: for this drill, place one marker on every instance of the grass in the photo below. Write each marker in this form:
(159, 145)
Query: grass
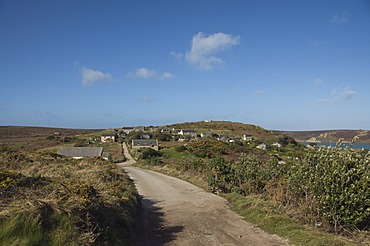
(259, 212)
(46, 199)
(172, 153)
(35, 228)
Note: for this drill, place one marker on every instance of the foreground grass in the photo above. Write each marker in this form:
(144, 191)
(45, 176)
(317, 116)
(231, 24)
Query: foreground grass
(32, 228)
(260, 212)
(46, 199)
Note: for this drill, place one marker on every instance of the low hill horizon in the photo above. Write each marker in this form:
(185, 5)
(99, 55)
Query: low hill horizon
(22, 133)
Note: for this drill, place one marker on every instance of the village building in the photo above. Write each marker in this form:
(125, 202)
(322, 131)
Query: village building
(145, 143)
(206, 135)
(128, 129)
(83, 152)
(247, 137)
(139, 128)
(190, 133)
(233, 140)
(165, 130)
(110, 137)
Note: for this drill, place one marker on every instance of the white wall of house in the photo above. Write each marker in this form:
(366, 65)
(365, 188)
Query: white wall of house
(107, 138)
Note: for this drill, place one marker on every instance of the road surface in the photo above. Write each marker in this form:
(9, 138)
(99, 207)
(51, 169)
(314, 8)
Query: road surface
(179, 213)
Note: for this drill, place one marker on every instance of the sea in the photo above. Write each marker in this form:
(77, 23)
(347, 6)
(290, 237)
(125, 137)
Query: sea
(354, 146)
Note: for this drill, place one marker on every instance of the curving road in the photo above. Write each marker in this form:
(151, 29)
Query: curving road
(179, 213)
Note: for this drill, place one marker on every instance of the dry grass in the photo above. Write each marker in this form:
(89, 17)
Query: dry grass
(38, 137)
(91, 199)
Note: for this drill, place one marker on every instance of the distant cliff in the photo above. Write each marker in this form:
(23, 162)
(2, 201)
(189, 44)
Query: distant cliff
(329, 135)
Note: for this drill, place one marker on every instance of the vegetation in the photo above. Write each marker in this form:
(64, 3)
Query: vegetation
(326, 188)
(46, 199)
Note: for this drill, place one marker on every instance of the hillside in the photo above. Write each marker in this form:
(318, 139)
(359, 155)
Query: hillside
(228, 128)
(328, 135)
(29, 137)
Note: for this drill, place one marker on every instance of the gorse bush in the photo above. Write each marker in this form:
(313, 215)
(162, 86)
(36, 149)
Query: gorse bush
(334, 184)
(207, 147)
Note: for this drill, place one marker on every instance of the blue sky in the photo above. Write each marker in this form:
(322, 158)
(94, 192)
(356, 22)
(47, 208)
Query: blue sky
(282, 65)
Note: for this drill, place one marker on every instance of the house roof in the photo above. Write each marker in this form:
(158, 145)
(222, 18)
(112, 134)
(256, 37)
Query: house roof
(144, 142)
(188, 130)
(81, 151)
(108, 135)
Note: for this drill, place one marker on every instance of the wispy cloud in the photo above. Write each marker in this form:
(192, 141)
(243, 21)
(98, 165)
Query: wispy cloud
(317, 81)
(149, 99)
(177, 56)
(145, 73)
(312, 43)
(204, 48)
(90, 76)
(260, 92)
(341, 18)
(339, 94)
(343, 94)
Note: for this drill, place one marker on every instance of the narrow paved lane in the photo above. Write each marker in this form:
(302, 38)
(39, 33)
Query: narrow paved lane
(179, 213)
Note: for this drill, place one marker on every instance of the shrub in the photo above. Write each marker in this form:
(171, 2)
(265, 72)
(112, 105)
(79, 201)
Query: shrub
(334, 184)
(181, 148)
(147, 153)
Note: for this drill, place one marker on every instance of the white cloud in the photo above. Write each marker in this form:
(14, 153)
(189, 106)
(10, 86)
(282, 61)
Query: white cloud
(90, 76)
(145, 73)
(339, 94)
(340, 18)
(343, 94)
(166, 76)
(204, 48)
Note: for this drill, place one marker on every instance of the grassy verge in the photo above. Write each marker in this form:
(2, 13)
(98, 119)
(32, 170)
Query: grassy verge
(260, 213)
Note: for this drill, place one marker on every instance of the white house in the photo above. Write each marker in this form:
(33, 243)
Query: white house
(247, 137)
(110, 137)
(190, 133)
